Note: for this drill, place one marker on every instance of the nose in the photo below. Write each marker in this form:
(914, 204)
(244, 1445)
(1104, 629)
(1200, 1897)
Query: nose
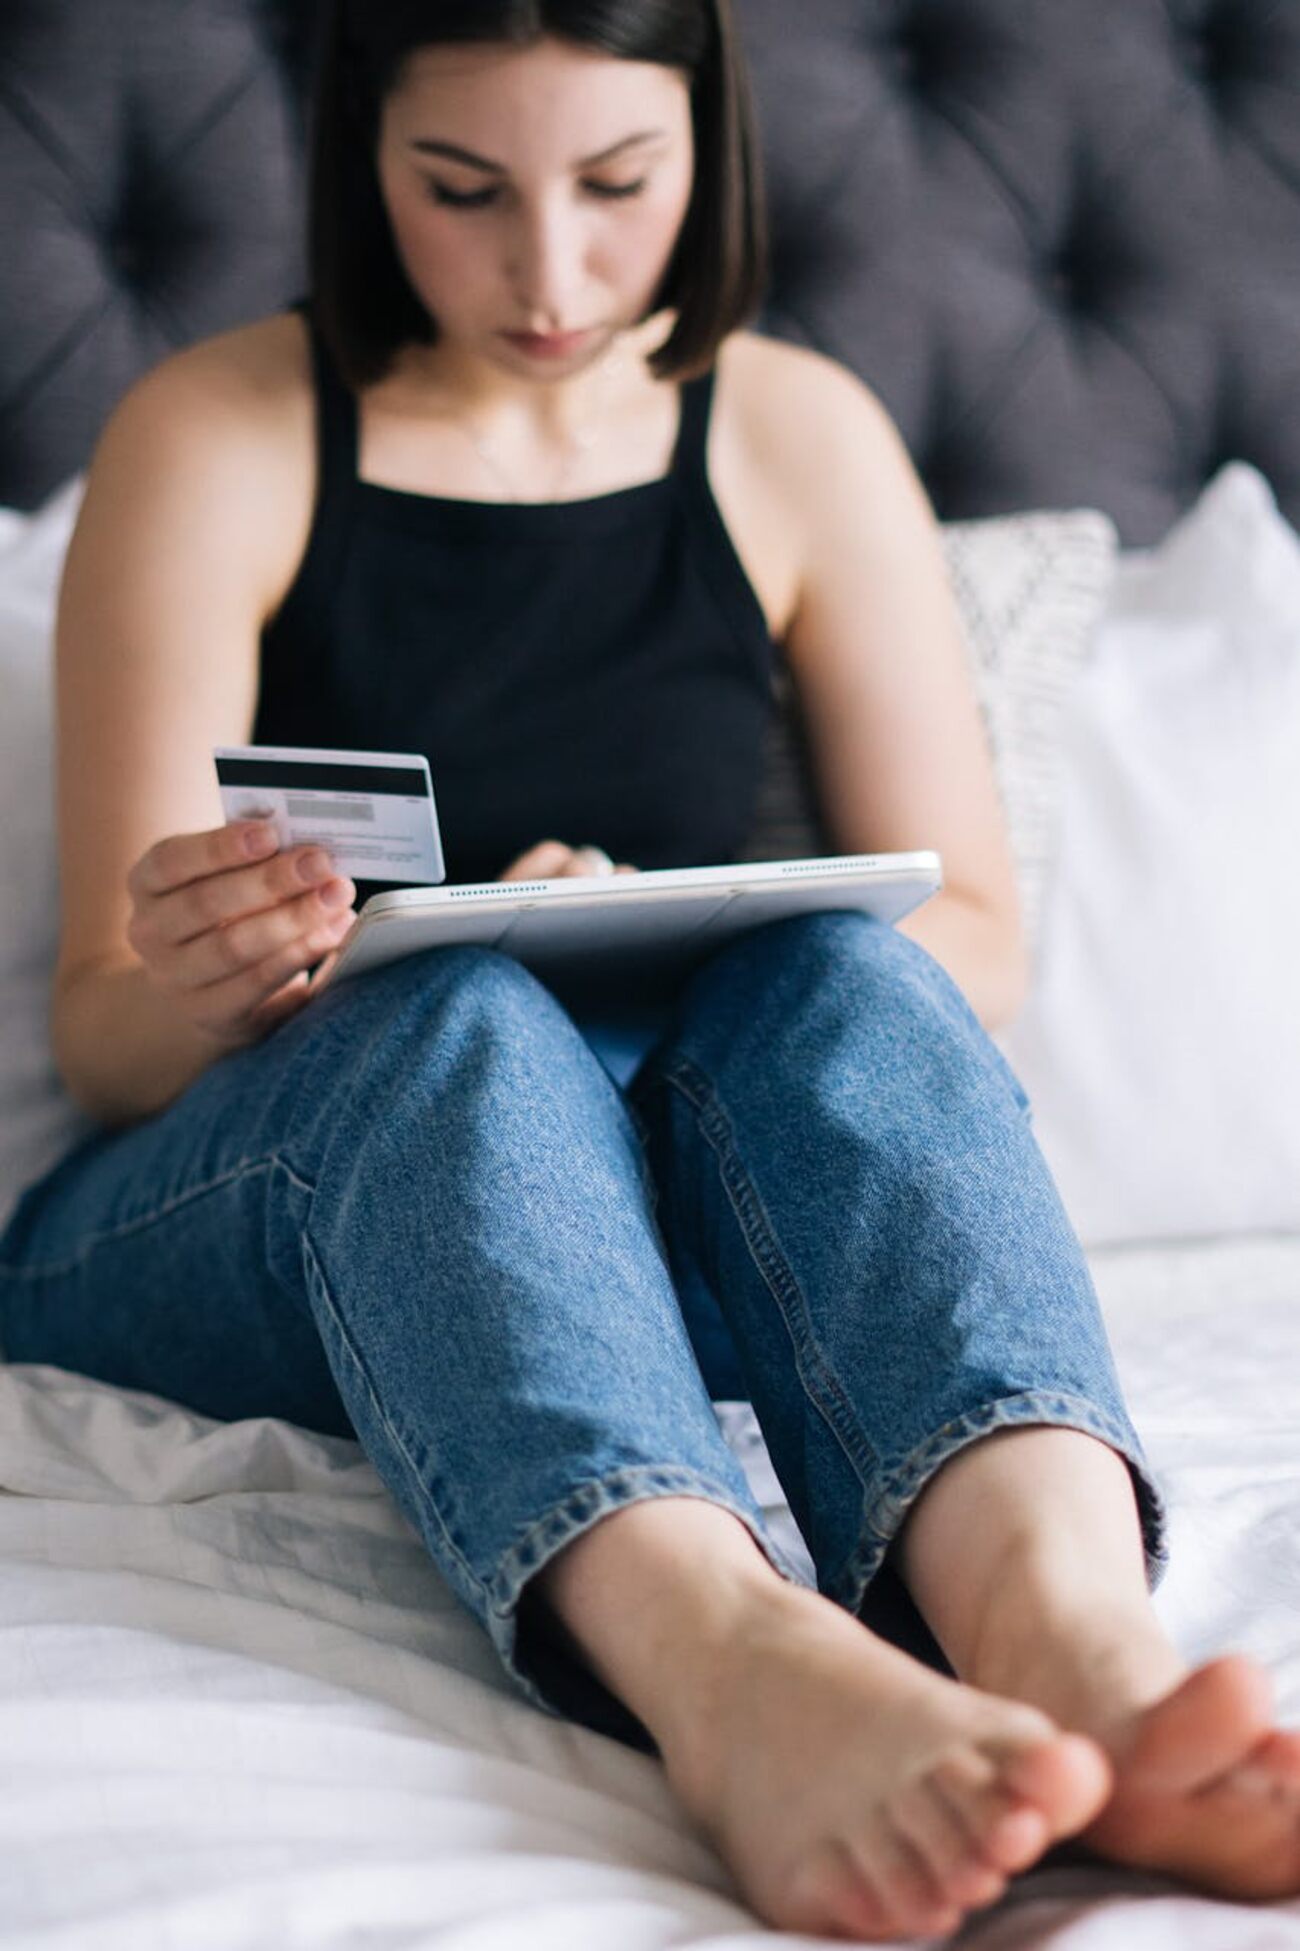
(546, 265)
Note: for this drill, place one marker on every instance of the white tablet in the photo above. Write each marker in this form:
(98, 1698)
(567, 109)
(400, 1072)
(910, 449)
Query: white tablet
(661, 921)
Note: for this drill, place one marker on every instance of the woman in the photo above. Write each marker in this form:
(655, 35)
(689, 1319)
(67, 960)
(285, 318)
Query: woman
(519, 490)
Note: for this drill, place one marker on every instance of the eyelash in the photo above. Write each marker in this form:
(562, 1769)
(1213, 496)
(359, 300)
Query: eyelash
(481, 199)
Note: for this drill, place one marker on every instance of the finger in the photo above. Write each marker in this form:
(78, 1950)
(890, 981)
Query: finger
(234, 1003)
(590, 860)
(278, 1008)
(220, 953)
(190, 911)
(324, 969)
(624, 868)
(183, 857)
(295, 994)
(541, 862)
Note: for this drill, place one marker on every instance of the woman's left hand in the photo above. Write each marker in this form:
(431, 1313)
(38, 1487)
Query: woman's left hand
(552, 860)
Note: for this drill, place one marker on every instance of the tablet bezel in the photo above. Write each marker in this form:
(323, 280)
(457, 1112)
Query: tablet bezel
(922, 870)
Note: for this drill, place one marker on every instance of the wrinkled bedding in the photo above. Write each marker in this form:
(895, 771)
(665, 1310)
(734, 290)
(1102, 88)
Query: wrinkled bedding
(239, 1709)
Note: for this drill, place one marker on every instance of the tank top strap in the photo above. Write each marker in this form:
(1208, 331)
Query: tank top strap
(715, 551)
(693, 427)
(336, 473)
(336, 407)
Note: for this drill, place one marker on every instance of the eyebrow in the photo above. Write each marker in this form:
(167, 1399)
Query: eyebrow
(453, 153)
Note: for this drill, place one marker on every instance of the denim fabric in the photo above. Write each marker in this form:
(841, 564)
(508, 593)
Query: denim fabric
(516, 1261)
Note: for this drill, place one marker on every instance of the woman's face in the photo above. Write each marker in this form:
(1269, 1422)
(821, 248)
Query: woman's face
(535, 191)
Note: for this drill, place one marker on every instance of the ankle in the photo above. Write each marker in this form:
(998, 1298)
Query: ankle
(651, 1599)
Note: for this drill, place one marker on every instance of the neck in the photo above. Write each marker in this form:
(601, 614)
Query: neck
(451, 378)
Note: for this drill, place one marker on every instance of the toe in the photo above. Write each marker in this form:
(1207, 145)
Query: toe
(1273, 1767)
(935, 1828)
(1003, 1835)
(1016, 1806)
(1206, 1726)
(901, 1872)
(915, 1902)
(1067, 1779)
(1016, 1838)
(829, 1893)
(1207, 1791)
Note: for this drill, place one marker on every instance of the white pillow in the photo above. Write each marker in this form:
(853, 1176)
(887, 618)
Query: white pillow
(1160, 1045)
(1029, 590)
(38, 1120)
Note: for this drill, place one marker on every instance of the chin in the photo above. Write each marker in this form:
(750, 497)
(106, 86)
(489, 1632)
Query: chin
(533, 366)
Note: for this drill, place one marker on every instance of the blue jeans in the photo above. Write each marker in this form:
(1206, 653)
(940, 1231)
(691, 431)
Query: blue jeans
(425, 1214)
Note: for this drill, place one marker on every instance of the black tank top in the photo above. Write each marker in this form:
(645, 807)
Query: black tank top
(596, 671)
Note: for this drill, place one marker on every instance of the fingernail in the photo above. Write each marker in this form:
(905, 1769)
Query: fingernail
(338, 894)
(259, 839)
(315, 865)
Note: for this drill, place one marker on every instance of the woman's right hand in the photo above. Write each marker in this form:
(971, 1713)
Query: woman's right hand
(228, 927)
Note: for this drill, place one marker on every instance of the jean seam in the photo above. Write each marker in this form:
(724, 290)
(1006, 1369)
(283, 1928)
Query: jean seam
(140, 1222)
(426, 1498)
(902, 1483)
(596, 1497)
(820, 1383)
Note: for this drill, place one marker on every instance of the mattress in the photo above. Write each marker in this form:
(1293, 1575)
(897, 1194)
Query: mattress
(238, 1707)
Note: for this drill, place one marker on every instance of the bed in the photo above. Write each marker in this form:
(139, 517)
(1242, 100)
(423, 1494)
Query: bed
(238, 1708)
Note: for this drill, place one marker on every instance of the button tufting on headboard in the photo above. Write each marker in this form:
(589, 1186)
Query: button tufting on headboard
(126, 257)
(1222, 46)
(903, 62)
(1200, 55)
(1077, 283)
(1061, 238)
(150, 179)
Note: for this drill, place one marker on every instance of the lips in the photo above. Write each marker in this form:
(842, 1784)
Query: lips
(549, 345)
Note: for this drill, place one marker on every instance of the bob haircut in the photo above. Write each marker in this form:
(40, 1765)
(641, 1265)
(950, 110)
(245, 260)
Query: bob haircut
(362, 300)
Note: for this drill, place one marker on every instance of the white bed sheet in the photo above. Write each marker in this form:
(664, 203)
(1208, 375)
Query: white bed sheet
(239, 1709)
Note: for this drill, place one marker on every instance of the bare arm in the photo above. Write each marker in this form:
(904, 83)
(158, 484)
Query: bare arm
(883, 678)
(172, 567)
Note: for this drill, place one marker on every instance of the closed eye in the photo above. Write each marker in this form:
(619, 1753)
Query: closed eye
(480, 199)
(616, 189)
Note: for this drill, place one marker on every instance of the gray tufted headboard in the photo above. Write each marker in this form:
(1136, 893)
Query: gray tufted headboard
(1061, 238)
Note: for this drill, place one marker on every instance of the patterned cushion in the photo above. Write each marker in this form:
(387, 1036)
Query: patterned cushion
(1030, 590)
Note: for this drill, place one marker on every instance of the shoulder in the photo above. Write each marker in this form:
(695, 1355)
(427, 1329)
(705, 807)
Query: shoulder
(252, 382)
(221, 432)
(799, 409)
(806, 463)
(816, 444)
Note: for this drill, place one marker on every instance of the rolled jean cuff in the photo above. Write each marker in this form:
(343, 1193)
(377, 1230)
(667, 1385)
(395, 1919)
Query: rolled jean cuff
(902, 1486)
(550, 1677)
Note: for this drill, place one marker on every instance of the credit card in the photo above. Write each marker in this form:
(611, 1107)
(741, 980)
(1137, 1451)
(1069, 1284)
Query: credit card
(373, 812)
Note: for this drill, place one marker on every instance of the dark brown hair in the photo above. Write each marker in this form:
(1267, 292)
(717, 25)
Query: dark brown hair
(361, 297)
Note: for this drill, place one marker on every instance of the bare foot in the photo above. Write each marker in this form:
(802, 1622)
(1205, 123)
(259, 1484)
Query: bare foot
(854, 1792)
(1206, 1787)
